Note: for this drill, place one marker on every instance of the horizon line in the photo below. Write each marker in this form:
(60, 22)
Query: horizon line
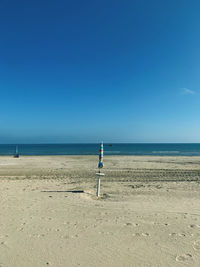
(95, 143)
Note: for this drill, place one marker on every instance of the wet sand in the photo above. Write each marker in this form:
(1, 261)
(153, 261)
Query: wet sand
(148, 213)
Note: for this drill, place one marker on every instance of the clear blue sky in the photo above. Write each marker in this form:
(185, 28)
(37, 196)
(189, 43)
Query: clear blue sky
(86, 71)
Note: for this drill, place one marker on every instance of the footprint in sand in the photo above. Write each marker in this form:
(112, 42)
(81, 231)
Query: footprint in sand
(184, 257)
(145, 234)
(194, 226)
(173, 234)
(40, 235)
(181, 234)
(142, 234)
(3, 244)
(65, 236)
(136, 234)
(131, 224)
(196, 245)
(177, 234)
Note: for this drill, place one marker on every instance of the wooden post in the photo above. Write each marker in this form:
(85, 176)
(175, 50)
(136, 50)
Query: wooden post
(99, 174)
(98, 186)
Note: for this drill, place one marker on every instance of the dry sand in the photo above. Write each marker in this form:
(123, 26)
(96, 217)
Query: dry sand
(148, 215)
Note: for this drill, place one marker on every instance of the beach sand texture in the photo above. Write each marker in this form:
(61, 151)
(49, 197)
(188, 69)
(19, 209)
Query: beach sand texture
(148, 214)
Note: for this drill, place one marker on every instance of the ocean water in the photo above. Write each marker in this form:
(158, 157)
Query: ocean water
(114, 149)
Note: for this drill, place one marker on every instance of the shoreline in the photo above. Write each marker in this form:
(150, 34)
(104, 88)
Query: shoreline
(116, 168)
(81, 155)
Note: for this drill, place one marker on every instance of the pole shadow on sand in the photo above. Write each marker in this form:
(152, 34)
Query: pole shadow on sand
(64, 191)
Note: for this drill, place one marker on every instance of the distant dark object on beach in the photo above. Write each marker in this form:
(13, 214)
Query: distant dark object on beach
(16, 155)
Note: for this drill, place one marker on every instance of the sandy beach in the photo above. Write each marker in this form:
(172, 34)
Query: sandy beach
(148, 213)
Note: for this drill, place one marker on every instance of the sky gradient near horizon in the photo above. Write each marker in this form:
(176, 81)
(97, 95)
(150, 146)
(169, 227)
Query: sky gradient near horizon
(86, 71)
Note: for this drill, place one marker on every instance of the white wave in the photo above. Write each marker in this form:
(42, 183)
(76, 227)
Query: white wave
(166, 152)
(111, 152)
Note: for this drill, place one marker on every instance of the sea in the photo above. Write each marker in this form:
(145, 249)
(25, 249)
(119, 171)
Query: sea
(180, 149)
